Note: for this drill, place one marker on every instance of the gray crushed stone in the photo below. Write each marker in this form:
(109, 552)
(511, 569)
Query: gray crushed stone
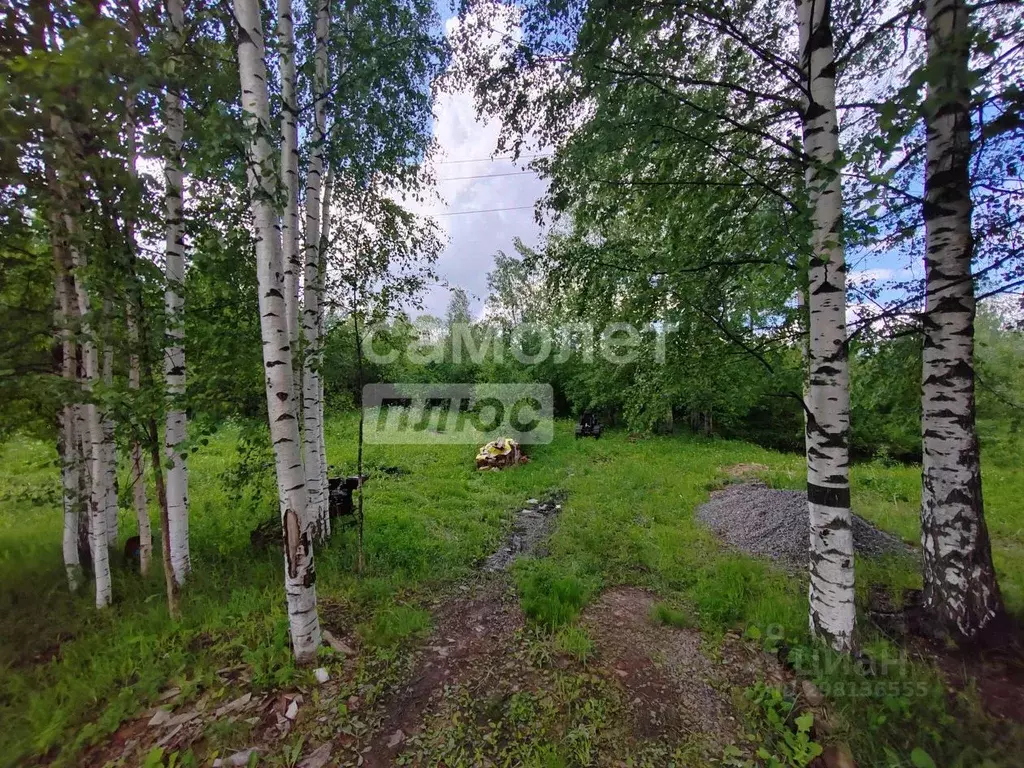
(763, 521)
(530, 530)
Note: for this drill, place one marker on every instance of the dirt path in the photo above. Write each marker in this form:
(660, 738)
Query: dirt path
(467, 683)
(485, 685)
(659, 689)
(467, 630)
(667, 680)
(477, 627)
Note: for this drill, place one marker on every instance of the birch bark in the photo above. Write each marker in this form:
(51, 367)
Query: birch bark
(175, 431)
(312, 417)
(138, 470)
(832, 611)
(960, 587)
(68, 448)
(83, 448)
(300, 574)
(290, 232)
(89, 430)
(109, 449)
(92, 436)
(70, 460)
(170, 583)
(325, 231)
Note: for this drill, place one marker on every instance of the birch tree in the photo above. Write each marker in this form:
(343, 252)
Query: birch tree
(140, 502)
(69, 158)
(312, 291)
(962, 76)
(290, 231)
(321, 321)
(91, 429)
(109, 448)
(832, 608)
(300, 574)
(960, 588)
(68, 445)
(756, 112)
(174, 355)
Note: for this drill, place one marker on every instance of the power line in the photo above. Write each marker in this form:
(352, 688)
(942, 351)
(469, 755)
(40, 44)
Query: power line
(487, 176)
(484, 210)
(493, 159)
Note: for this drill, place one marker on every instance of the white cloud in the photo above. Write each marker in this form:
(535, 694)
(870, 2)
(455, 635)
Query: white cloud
(858, 312)
(867, 276)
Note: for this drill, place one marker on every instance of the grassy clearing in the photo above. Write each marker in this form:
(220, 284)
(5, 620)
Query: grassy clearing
(71, 676)
(425, 529)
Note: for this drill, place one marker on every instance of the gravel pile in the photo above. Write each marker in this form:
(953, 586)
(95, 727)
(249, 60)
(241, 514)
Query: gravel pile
(763, 521)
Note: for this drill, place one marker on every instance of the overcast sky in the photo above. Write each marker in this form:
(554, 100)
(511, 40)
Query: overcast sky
(464, 148)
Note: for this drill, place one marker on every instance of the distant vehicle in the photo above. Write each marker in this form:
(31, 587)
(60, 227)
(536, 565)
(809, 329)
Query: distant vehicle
(588, 426)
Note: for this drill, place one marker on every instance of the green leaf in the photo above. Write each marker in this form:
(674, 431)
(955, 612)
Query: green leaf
(921, 759)
(804, 722)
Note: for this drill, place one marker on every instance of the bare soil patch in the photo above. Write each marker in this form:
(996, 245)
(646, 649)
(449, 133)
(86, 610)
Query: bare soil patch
(661, 689)
(744, 470)
(673, 690)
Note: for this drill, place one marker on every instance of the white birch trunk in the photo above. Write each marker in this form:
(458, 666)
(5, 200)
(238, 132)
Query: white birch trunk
(325, 231)
(300, 574)
(92, 437)
(138, 467)
(109, 446)
(70, 462)
(68, 448)
(290, 231)
(82, 448)
(312, 421)
(324, 464)
(175, 431)
(960, 587)
(832, 610)
(89, 429)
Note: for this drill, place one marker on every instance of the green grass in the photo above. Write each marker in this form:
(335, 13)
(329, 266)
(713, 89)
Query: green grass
(667, 616)
(628, 519)
(394, 624)
(575, 642)
(551, 595)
